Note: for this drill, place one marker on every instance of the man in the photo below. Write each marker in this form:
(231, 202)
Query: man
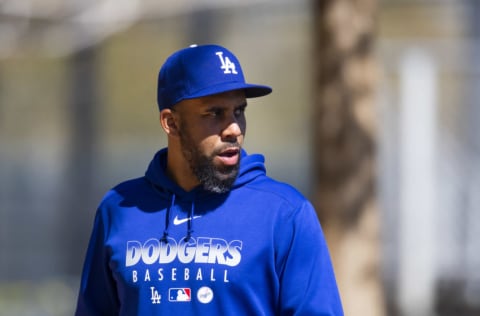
(205, 231)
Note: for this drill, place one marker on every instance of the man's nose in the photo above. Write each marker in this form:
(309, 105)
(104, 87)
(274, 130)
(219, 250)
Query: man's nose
(232, 130)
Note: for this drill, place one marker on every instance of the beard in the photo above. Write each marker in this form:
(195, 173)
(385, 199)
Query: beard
(217, 179)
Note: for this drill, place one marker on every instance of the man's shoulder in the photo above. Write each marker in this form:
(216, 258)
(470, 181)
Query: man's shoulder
(127, 189)
(130, 184)
(273, 188)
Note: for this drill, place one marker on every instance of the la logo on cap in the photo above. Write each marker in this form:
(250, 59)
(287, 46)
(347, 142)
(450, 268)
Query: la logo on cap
(227, 65)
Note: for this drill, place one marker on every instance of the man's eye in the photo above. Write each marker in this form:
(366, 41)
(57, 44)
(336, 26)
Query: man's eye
(239, 111)
(216, 112)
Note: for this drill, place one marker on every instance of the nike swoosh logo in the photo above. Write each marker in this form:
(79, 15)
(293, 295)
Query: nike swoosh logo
(178, 221)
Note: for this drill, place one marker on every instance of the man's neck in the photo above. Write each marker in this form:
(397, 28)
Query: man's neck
(180, 172)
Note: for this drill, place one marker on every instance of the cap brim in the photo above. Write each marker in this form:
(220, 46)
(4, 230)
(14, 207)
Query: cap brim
(257, 91)
(251, 90)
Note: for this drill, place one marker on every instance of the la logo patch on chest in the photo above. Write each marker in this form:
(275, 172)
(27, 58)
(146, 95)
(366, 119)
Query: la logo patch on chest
(156, 297)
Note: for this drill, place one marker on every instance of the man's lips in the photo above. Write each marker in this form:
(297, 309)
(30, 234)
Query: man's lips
(229, 156)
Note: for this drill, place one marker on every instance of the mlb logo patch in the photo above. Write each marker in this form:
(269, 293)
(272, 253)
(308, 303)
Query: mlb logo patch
(179, 295)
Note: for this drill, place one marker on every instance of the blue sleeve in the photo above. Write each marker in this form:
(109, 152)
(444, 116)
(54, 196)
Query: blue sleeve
(97, 294)
(308, 286)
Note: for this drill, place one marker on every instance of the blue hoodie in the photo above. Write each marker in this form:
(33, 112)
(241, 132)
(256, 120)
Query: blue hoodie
(156, 249)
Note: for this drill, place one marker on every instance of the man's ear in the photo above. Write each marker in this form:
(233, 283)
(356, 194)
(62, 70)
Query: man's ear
(168, 121)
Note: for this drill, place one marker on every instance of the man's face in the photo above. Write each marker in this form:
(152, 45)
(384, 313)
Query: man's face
(211, 131)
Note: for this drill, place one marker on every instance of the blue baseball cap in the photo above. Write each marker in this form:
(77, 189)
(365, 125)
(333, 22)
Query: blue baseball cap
(199, 71)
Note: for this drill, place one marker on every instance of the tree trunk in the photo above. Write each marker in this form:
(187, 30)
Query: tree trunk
(344, 148)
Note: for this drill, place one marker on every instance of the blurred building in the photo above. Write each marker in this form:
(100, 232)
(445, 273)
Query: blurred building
(429, 155)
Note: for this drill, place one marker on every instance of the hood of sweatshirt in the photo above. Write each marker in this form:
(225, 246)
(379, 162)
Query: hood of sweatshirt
(251, 166)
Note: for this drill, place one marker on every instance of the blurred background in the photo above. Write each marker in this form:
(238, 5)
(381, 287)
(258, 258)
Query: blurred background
(374, 117)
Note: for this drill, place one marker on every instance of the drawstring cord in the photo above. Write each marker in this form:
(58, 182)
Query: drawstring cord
(167, 221)
(190, 222)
